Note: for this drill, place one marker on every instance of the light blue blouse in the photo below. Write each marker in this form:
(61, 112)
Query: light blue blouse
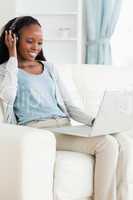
(36, 99)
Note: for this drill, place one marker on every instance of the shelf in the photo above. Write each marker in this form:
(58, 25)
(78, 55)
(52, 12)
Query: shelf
(61, 25)
(61, 13)
(48, 14)
(58, 39)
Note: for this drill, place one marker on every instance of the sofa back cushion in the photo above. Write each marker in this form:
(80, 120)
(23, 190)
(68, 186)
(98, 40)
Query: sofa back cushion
(90, 81)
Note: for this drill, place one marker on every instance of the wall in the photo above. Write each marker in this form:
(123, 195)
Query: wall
(7, 11)
(44, 6)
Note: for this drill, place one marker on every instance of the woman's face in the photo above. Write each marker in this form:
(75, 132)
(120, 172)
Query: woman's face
(30, 42)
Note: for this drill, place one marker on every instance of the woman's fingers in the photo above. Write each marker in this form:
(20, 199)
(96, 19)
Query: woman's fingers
(6, 38)
(10, 38)
(10, 41)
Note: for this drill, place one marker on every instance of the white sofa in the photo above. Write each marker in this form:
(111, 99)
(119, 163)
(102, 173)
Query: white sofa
(27, 155)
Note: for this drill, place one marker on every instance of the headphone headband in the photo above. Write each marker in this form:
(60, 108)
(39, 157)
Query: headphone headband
(13, 25)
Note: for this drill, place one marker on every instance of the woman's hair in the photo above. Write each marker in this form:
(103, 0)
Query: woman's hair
(15, 25)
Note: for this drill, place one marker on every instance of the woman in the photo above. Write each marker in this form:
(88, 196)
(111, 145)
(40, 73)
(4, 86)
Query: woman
(32, 95)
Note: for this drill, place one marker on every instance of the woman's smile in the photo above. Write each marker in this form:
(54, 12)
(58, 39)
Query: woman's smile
(33, 55)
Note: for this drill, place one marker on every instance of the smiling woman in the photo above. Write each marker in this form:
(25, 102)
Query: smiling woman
(34, 95)
(30, 40)
(25, 33)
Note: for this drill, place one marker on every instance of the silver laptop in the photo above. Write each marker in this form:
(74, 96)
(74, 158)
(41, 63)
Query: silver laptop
(115, 114)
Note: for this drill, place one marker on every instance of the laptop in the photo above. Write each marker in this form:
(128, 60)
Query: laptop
(115, 114)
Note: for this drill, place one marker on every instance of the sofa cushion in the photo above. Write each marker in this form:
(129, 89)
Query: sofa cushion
(73, 176)
(90, 81)
(83, 89)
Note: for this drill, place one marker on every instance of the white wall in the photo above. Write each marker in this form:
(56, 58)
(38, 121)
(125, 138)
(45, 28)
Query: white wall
(7, 11)
(56, 16)
(44, 6)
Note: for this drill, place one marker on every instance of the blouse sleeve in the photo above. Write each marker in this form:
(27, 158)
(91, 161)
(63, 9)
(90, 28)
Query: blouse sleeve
(8, 80)
(73, 103)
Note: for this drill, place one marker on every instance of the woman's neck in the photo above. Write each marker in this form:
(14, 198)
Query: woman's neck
(33, 67)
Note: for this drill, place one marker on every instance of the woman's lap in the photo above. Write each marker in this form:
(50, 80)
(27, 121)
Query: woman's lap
(73, 143)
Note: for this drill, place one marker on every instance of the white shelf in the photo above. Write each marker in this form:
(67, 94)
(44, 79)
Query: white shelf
(62, 45)
(46, 6)
(64, 39)
(60, 13)
(47, 14)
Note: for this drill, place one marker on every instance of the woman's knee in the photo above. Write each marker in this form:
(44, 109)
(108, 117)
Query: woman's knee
(111, 144)
(125, 147)
(125, 142)
(125, 162)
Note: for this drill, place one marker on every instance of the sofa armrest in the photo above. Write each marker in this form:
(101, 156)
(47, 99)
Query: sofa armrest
(27, 159)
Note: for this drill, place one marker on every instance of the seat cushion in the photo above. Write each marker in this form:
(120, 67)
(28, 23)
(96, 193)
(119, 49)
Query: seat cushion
(73, 176)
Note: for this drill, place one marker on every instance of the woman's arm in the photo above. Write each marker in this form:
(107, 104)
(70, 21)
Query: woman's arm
(75, 107)
(8, 71)
(8, 80)
(73, 103)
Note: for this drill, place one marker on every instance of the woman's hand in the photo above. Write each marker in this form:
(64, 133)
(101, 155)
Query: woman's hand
(10, 41)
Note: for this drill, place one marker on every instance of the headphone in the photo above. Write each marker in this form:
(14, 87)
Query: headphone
(13, 26)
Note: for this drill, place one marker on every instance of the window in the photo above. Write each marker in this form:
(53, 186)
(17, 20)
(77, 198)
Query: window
(122, 39)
